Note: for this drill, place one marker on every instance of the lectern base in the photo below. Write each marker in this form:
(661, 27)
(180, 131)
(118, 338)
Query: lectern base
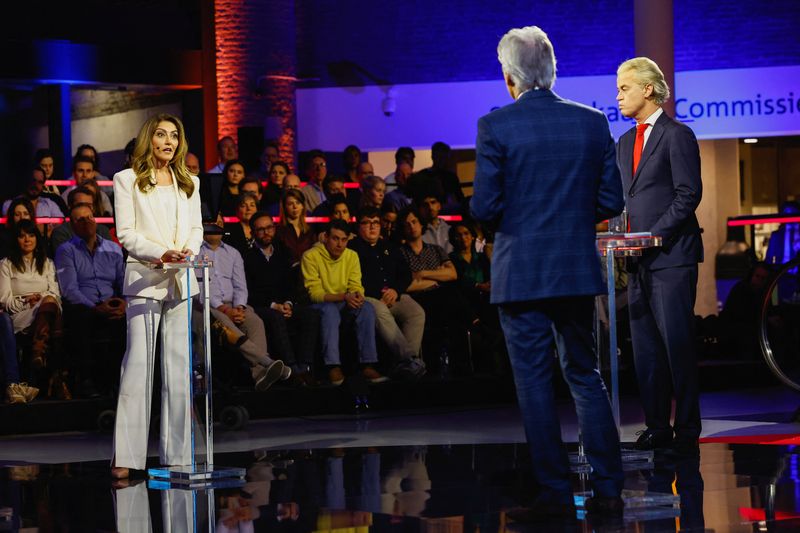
(195, 477)
(639, 505)
(631, 460)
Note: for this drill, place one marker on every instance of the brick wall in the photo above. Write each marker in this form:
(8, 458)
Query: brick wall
(255, 39)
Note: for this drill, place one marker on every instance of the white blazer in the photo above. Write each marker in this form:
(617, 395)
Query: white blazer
(139, 218)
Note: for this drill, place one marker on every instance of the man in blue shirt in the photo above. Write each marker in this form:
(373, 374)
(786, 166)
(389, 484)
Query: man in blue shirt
(90, 272)
(235, 322)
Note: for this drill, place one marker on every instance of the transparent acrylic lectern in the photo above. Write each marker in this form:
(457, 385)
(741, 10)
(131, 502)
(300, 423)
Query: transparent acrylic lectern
(201, 474)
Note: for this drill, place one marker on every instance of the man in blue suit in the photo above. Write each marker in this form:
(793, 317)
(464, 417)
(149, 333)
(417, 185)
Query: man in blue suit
(546, 173)
(660, 164)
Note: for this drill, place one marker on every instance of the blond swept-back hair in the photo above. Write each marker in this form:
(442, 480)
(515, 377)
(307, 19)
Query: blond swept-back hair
(647, 73)
(143, 162)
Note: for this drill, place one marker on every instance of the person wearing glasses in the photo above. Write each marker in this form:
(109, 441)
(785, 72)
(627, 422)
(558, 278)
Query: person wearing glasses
(385, 276)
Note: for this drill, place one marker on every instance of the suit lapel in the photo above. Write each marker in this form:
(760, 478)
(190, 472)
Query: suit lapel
(182, 206)
(652, 144)
(626, 157)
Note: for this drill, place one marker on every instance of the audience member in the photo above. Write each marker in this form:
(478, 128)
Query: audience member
(129, 154)
(292, 181)
(400, 198)
(316, 172)
(192, 163)
(438, 231)
(16, 391)
(385, 276)
(44, 159)
(42, 206)
(440, 177)
(29, 293)
(351, 159)
(269, 155)
(332, 277)
(272, 291)
(82, 195)
(365, 169)
(87, 150)
(271, 200)
(236, 323)
(90, 273)
(238, 233)
(294, 233)
(233, 171)
(445, 308)
(389, 224)
(83, 170)
(333, 186)
(226, 151)
(373, 191)
(19, 209)
(251, 184)
(404, 154)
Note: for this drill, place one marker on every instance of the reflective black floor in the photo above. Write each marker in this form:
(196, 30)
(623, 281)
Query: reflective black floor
(730, 488)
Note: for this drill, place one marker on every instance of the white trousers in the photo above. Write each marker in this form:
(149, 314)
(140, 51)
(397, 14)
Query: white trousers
(147, 318)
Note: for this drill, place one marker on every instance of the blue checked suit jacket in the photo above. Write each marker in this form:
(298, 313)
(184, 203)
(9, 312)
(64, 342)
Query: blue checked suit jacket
(546, 173)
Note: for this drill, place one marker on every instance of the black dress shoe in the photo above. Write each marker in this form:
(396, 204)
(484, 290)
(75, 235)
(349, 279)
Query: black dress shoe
(651, 440)
(605, 505)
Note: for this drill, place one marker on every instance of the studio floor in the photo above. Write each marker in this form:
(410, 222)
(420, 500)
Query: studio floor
(421, 470)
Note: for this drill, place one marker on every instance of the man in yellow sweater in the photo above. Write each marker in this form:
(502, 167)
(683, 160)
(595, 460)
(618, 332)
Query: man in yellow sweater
(332, 277)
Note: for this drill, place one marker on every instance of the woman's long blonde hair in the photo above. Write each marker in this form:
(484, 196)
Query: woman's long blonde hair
(143, 163)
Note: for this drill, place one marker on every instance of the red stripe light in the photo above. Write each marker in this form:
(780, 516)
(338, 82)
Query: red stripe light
(764, 220)
(70, 183)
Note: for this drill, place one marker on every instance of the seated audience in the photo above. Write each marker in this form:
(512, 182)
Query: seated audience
(333, 186)
(365, 169)
(87, 150)
(385, 277)
(16, 391)
(33, 193)
(19, 209)
(29, 293)
(44, 159)
(404, 154)
(238, 233)
(100, 206)
(226, 151)
(294, 233)
(272, 193)
(445, 307)
(438, 231)
(292, 181)
(440, 177)
(229, 195)
(373, 191)
(236, 322)
(90, 273)
(252, 185)
(191, 160)
(351, 160)
(272, 291)
(400, 197)
(332, 277)
(82, 195)
(316, 171)
(389, 224)
(83, 170)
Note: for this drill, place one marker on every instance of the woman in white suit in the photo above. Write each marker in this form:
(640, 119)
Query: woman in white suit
(157, 204)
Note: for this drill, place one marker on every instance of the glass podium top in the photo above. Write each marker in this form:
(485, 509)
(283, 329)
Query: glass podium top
(194, 262)
(626, 244)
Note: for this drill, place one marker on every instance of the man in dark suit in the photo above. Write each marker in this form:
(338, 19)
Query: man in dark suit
(546, 173)
(660, 164)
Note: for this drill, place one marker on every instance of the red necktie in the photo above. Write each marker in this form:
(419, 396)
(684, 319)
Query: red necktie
(638, 145)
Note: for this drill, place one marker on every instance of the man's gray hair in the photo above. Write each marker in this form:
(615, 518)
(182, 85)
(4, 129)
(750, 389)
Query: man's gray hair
(526, 55)
(646, 72)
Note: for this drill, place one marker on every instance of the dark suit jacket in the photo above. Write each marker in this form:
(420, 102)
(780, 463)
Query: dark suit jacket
(546, 173)
(665, 192)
